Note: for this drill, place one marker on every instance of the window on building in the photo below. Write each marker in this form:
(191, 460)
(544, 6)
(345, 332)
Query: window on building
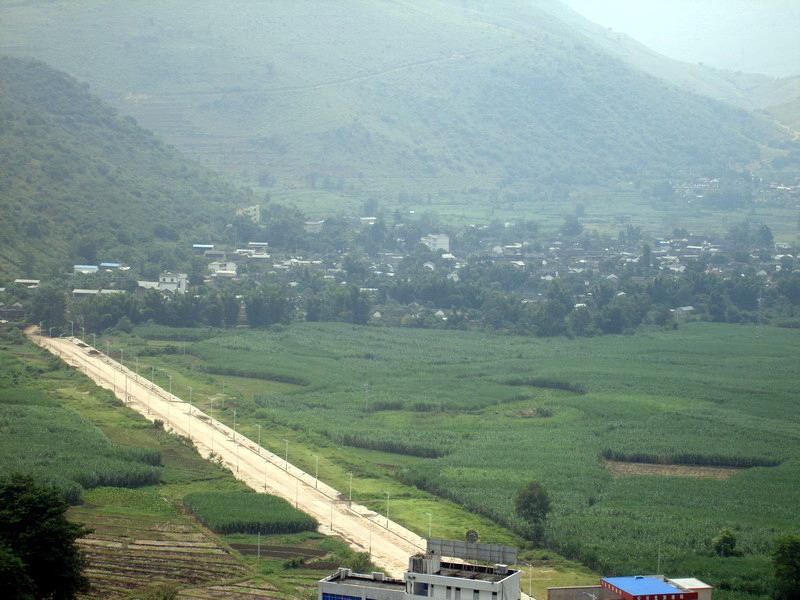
(476, 595)
(458, 593)
(448, 593)
(338, 597)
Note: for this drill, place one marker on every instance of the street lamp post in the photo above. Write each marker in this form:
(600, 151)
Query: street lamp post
(234, 440)
(350, 494)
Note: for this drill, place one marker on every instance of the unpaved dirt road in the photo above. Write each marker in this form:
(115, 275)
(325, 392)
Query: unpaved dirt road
(389, 543)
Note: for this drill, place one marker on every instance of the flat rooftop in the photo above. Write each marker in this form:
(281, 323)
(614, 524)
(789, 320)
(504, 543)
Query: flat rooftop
(473, 572)
(386, 584)
(642, 586)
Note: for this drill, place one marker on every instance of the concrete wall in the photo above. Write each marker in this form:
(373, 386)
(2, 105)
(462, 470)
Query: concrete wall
(358, 591)
(589, 592)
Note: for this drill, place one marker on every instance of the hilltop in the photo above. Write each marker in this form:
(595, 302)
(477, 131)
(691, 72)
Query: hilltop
(387, 97)
(81, 183)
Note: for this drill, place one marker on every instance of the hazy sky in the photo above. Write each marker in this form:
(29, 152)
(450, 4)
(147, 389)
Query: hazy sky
(742, 35)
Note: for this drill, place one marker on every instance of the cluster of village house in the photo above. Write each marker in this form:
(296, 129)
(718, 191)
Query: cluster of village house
(541, 262)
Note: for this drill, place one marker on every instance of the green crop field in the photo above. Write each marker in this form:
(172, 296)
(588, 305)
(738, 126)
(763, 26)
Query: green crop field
(247, 512)
(471, 417)
(53, 442)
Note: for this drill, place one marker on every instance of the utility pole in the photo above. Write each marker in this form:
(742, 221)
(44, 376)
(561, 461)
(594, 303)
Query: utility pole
(137, 364)
(259, 545)
(259, 438)
(350, 495)
(296, 492)
(316, 472)
(387, 510)
(331, 515)
(71, 328)
(234, 440)
(170, 385)
(286, 455)
(213, 427)
(266, 464)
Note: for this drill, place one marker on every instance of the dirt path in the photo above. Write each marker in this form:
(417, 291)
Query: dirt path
(389, 543)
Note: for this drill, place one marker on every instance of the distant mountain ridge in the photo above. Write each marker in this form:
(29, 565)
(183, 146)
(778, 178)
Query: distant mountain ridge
(429, 97)
(79, 182)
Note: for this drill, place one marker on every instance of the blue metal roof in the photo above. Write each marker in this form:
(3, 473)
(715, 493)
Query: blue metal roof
(642, 586)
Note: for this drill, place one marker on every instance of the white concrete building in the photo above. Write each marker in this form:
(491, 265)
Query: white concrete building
(173, 282)
(427, 577)
(222, 269)
(437, 241)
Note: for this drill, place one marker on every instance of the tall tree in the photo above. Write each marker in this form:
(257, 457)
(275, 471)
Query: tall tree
(533, 505)
(786, 562)
(35, 531)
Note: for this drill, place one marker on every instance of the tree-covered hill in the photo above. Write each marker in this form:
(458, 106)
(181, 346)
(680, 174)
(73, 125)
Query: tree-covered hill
(79, 183)
(420, 96)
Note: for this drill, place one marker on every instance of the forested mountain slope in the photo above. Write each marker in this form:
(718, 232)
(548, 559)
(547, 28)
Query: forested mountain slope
(79, 182)
(421, 96)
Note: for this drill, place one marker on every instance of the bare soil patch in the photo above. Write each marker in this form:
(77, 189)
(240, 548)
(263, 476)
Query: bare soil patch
(621, 469)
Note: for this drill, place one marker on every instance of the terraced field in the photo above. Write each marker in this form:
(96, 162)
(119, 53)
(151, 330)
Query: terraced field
(123, 552)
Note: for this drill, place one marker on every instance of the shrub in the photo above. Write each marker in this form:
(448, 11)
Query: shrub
(544, 382)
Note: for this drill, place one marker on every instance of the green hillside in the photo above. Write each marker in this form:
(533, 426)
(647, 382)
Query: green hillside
(80, 183)
(430, 98)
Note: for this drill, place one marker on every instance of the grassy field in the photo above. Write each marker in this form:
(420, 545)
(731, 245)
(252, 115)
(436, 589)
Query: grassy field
(142, 537)
(724, 394)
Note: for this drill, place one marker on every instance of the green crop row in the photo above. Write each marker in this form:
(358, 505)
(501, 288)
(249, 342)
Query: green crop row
(247, 512)
(39, 437)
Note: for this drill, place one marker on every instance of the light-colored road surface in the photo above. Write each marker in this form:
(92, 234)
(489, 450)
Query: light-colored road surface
(389, 543)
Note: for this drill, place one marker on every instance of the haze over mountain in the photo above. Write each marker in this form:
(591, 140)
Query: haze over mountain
(430, 97)
(79, 182)
(736, 35)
